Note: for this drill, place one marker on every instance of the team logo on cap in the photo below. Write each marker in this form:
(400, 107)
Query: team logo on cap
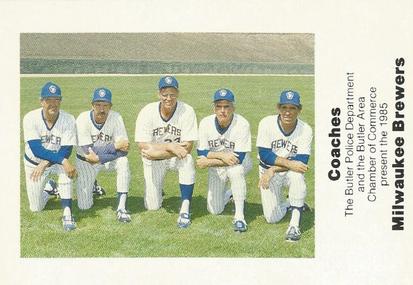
(290, 95)
(223, 92)
(102, 93)
(168, 80)
(52, 89)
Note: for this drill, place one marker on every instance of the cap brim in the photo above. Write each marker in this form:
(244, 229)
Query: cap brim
(168, 86)
(101, 100)
(52, 96)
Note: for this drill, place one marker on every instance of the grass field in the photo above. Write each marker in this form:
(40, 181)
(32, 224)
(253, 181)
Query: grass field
(154, 234)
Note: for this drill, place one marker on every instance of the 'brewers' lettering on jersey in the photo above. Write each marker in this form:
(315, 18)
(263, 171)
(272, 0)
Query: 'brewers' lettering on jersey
(151, 127)
(285, 144)
(62, 133)
(50, 138)
(236, 138)
(168, 129)
(89, 132)
(221, 143)
(101, 136)
(271, 135)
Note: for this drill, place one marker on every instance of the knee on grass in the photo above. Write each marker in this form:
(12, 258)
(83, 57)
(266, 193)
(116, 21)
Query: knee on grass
(274, 217)
(215, 210)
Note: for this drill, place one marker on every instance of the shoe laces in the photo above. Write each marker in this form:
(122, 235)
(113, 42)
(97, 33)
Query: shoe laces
(184, 218)
(123, 212)
(68, 219)
(294, 230)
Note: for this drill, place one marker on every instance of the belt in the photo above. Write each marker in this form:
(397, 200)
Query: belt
(34, 162)
(81, 157)
(29, 160)
(264, 165)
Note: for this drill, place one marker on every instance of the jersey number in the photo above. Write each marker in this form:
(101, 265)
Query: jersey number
(177, 140)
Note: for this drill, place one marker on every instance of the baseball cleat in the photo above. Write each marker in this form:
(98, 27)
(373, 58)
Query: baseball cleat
(123, 216)
(51, 188)
(240, 226)
(293, 234)
(98, 190)
(183, 221)
(69, 223)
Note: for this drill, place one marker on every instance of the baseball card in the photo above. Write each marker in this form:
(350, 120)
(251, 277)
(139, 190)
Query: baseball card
(210, 142)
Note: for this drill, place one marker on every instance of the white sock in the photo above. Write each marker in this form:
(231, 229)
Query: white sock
(185, 206)
(239, 210)
(122, 201)
(295, 218)
(67, 211)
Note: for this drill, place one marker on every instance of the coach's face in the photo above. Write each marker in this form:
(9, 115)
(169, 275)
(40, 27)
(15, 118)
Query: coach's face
(168, 97)
(224, 110)
(101, 111)
(51, 106)
(288, 114)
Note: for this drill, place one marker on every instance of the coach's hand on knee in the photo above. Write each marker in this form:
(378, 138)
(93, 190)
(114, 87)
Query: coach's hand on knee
(92, 157)
(202, 162)
(69, 168)
(122, 144)
(178, 150)
(229, 158)
(265, 178)
(38, 171)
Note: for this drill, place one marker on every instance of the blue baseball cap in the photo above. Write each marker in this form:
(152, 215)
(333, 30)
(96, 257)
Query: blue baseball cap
(290, 97)
(102, 94)
(168, 81)
(224, 94)
(50, 89)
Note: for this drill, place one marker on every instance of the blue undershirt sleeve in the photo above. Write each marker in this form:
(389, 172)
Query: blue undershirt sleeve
(107, 149)
(66, 150)
(106, 153)
(202, 152)
(267, 156)
(241, 156)
(301, 157)
(40, 152)
(106, 157)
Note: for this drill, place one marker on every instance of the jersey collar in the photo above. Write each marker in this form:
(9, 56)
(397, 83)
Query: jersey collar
(173, 112)
(45, 123)
(282, 130)
(220, 129)
(97, 126)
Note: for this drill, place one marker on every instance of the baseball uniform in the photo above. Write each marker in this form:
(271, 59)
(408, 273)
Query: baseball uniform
(152, 128)
(295, 145)
(100, 137)
(237, 138)
(63, 133)
(53, 143)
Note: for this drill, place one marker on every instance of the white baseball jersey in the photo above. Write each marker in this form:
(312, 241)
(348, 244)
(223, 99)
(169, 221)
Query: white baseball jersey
(89, 132)
(271, 135)
(237, 138)
(99, 135)
(152, 128)
(63, 132)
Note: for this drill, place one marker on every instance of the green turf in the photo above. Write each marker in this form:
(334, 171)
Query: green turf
(154, 233)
